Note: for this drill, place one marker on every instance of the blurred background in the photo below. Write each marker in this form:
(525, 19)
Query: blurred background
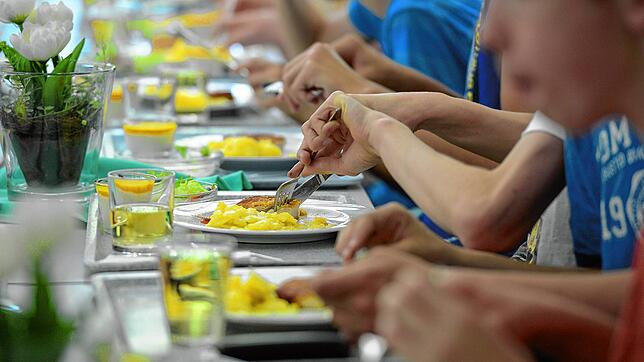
(138, 35)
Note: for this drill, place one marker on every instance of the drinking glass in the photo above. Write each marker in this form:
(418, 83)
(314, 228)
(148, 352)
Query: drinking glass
(150, 125)
(141, 206)
(194, 279)
(103, 195)
(149, 99)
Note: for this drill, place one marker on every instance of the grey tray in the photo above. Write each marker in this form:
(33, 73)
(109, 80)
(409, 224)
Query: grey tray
(136, 301)
(272, 180)
(100, 257)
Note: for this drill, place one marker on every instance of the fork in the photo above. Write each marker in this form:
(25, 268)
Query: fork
(284, 193)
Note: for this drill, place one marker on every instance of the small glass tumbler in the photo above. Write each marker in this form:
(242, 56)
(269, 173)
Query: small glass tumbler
(150, 124)
(149, 99)
(194, 277)
(103, 195)
(141, 206)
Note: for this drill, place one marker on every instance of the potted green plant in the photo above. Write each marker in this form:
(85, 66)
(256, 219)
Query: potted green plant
(52, 107)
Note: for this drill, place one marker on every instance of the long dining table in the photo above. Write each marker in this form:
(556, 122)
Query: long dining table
(71, 274)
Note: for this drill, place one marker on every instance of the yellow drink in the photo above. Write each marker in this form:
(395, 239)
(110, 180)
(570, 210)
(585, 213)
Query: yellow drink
(140, 226)
(194, 282)
(189, 100)
(150, 128)
(150, 139)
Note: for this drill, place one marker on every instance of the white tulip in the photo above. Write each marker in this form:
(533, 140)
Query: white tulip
(45, 33)
(47, 13)
(41, 43)
(15, 11)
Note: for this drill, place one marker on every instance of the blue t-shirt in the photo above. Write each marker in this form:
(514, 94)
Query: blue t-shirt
(582, 179)
(364, 20)
(431, 36)
(607, 192)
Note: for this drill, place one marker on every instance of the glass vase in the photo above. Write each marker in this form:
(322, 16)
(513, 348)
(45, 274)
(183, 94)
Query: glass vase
(52, 129)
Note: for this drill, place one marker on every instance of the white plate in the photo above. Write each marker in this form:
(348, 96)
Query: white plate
(189, 216)
(278, 276)
(282, 163)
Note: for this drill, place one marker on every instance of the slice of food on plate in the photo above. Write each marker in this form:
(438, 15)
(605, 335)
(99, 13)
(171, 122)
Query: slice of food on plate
(266, 203)
(247, 217)
(257, 296)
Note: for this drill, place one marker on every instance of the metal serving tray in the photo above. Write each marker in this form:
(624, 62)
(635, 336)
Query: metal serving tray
(100, 257)
(135, 299)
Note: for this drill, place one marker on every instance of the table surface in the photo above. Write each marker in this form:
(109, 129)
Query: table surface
(70, 280)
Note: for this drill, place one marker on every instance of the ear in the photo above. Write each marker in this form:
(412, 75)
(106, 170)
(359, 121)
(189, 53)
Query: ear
(633, 12)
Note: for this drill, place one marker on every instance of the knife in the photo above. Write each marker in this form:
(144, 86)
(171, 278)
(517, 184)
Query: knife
(275, 89)
(308, 187)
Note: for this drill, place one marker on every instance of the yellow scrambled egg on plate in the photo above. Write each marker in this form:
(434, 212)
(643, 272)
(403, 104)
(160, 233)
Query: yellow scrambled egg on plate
(239, 218)
(256, 296)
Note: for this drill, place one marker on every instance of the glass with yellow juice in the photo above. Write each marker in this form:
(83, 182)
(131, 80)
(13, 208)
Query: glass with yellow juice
(103, 195)
(141, 206)
(150, 121)
(194, 280)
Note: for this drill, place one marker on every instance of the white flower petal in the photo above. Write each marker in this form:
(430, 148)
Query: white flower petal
(15, 10)
(48, 13)
(42, 41)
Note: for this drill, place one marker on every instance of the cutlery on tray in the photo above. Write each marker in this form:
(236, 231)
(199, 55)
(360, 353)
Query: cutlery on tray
(250, 257)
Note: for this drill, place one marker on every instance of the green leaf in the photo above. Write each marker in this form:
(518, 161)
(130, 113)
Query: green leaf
(205, 151)
(32, 83)
(37, 334)
(18, 62)
(57, 88)
(183, 150)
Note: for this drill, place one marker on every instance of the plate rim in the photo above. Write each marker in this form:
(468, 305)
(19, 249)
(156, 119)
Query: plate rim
(323, 316)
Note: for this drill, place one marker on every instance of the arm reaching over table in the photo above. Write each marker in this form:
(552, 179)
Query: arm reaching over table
(480, 206)
(423, 323)
(372, 64)
(411, 302)
(498, 323)
(351, 291)
(313, 75)
(392, 225)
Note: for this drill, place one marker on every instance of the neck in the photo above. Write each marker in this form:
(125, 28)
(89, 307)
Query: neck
(632, 105)
(636, 117)
(377, 7)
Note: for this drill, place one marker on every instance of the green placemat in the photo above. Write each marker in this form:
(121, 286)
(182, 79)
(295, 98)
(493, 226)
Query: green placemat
(236, 181)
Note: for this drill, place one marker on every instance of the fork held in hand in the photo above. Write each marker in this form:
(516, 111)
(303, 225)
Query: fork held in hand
(284, 193)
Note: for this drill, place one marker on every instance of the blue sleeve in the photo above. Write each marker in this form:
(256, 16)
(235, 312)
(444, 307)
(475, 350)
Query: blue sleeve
(423, 41)
(364, 20)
